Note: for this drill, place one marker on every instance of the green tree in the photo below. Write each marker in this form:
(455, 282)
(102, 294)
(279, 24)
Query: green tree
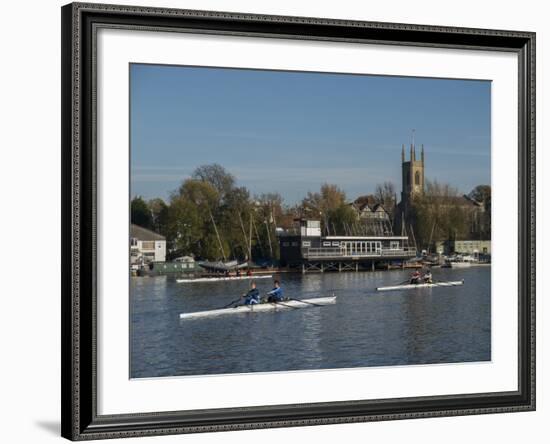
(330, 206)
(184, 227)
(438, 214)
(328, 198)
(343, 219)
(140, 214)
(234, 217)
(192, 220)
(268, 214)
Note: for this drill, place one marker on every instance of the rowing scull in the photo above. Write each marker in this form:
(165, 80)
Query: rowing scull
(268, 306)
(412, 286)
(224, 278)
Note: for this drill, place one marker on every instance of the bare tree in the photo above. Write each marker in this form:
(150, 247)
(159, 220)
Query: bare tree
(385, 194)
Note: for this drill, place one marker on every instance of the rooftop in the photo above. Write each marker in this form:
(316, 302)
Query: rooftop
(144, 234)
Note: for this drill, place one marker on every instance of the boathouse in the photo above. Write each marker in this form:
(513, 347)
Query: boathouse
(306, 248)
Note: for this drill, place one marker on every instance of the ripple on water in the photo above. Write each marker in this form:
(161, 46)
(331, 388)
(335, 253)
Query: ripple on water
(364, 328)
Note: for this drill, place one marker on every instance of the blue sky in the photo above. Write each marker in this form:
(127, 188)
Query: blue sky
(289, 132)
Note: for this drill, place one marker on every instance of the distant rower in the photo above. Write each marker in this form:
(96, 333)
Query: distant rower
(427, 277)
(415, 277)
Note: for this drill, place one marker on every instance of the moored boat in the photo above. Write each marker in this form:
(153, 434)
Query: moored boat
(456, 264)
(223, 278)
(413, 286)
(459, 261)
(265, 307)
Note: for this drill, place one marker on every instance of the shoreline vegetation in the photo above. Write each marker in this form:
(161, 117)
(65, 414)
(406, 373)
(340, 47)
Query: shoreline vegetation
(210, 217)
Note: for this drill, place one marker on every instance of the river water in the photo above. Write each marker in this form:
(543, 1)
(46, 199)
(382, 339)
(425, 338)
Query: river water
(364, 327)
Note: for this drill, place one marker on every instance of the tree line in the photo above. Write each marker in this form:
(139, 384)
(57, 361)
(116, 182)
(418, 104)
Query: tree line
(211, 218)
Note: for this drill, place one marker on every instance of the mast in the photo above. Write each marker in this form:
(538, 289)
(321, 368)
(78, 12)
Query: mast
(414, 238)
(258, 236)
(431, 234)
(269, 238)
(217, 235)
(250, 238)
(244, 235)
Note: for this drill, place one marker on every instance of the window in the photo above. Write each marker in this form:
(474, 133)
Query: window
(285, 244)
(306, 244)
(148, 245)
(394, 245)
(133, 242)
(336, 244)
(417, 178)
(294, 244)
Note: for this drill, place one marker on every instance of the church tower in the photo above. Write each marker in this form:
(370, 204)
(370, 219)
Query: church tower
(412, 174)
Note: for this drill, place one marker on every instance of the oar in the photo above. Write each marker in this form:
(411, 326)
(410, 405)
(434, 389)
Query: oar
(305, 302)
(278, 302)
(231, 303)
(401, 283)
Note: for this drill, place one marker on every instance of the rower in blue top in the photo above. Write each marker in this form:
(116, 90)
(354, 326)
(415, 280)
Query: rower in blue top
(253, 295)
(275, 295)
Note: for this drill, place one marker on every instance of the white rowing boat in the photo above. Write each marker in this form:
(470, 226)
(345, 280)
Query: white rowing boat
(268, 306)
(412, 286)
(224, 278)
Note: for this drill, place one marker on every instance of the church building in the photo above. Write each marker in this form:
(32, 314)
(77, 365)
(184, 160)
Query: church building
(413, 187)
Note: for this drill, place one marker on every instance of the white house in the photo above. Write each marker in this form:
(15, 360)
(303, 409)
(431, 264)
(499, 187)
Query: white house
(146, 245)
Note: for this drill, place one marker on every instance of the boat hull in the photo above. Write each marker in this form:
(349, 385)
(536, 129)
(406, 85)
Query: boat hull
(225, 278)
(456, 265)
(259, 308)
(414, 286)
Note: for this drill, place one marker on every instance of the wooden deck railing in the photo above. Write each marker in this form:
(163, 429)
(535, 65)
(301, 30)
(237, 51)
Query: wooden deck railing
(320, 253)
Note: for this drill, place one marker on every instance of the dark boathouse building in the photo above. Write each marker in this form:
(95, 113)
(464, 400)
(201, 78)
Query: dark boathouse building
(307, 249)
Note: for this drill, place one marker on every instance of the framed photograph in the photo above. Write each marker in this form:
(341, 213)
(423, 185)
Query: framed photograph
(283, 221)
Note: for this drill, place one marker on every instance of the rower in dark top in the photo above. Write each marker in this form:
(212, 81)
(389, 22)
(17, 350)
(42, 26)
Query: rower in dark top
(415, 277)
(253, 295)
(275, 295)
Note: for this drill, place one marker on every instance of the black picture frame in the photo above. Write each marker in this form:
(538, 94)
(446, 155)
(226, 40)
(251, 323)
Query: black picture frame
(79, 171)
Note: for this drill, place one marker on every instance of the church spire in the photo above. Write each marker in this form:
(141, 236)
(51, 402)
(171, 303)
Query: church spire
(422, 154)
(413, 148)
